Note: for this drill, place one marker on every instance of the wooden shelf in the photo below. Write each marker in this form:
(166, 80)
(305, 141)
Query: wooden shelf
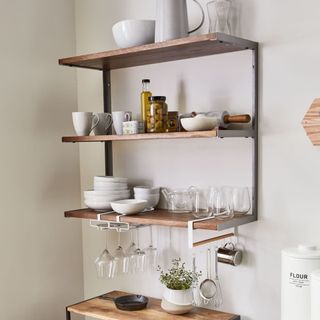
(106, 310)
(170, 135)
(178, 49)
(162, 217)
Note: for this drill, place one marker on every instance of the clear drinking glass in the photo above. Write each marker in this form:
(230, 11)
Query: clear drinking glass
(202, 202)
(219, 17)
(222, 205)
(105, 263)
(241, 200)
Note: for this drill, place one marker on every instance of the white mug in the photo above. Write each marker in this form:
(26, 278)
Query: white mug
(84, 122)
(118, 118)
(105, 121)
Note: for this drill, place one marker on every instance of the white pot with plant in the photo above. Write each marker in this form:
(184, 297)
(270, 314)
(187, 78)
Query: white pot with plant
(177, 295)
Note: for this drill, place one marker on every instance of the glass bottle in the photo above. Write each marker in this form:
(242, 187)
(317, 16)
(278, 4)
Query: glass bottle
(158, 119)
(145, 104)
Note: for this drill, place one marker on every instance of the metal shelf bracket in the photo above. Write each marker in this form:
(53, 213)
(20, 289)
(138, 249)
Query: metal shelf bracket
(193, 244)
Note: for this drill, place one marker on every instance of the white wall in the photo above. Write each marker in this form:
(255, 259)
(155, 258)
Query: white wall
(41, 258)
(288, 33)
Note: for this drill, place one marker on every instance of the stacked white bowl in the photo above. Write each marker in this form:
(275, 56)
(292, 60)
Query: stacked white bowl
(105, 190)
(151, 194)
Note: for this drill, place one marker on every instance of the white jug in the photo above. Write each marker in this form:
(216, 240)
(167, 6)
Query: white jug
(172, 20)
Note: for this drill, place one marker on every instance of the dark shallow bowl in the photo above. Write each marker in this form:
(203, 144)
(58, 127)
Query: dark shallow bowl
(130, 302)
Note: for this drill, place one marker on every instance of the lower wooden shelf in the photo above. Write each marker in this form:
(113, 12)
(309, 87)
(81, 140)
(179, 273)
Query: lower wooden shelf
(106, 310)
(163, 218)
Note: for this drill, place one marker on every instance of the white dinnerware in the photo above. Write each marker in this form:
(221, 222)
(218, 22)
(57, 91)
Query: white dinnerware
(152, 199)
(199, 123)
(130, 33)
(84, 122)
(129, 206)
(118, 117)
(105, 122)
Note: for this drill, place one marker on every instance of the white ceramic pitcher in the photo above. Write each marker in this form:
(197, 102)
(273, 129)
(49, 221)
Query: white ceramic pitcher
(172, 20)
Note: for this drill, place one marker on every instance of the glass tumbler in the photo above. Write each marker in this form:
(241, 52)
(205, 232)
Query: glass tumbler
(219, 16)
(241, 200)
(222, 205)
(202, 202)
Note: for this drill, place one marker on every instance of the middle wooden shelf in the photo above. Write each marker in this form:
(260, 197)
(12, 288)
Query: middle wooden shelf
(162, 217)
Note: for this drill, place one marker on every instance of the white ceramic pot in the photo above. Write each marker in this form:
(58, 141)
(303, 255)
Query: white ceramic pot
(178, 297)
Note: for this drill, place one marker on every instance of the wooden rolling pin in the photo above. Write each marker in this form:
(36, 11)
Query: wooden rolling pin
(224, 118)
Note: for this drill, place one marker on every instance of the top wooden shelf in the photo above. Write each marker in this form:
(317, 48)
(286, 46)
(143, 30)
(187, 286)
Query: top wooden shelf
(178, 49)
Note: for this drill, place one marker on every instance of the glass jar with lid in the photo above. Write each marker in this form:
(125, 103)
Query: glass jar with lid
(157, 118)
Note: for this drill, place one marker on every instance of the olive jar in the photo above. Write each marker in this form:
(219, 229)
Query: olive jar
(157, 118)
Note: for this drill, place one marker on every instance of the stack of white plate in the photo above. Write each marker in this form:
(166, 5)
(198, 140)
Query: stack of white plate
(106, 189)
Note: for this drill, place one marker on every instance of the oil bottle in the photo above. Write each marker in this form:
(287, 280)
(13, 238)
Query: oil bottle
(145, 104)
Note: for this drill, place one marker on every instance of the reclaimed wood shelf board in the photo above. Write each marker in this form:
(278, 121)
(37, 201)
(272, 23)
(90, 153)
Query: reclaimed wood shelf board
(143, 136)
(172, 50)
(162, 217)
(246, 133)
(106, 310)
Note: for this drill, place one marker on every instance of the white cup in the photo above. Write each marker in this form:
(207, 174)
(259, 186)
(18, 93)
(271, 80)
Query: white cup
(105, 121)
(118, 118)
(84, 122)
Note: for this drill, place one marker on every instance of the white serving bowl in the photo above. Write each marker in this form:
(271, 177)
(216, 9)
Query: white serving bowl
(110, 179)
(130, 33)
(104, 193)
(146, 190)
(105, 198)
(97, 205)
(199, 123)
(152, 199)
(129, 206)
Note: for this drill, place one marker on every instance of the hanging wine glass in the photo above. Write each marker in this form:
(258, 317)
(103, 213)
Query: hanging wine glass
(105, 263)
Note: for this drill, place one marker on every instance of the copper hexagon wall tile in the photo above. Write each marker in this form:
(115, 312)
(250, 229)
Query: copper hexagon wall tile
(311, 122)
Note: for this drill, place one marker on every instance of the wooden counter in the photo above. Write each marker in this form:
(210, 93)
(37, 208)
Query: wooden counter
(106, 310)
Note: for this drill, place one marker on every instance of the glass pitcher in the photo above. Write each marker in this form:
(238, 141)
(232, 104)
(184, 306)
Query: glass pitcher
(178, 200)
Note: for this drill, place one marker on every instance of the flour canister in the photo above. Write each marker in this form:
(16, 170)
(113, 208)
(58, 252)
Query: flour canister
(315, 295)
(297, 265)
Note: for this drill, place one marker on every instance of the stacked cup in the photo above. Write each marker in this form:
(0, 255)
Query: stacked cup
(106, 189)
(151, 194)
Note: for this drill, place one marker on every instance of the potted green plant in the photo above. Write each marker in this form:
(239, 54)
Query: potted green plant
(178, 281)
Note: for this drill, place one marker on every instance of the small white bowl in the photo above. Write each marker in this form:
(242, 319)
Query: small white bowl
(130, 33)
(110, 179)
(129, 206)
(146, 190)
(152, 199)
(199, 123)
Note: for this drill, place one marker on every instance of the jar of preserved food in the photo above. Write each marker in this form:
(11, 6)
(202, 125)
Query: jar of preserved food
(173, 121)
(157, 119)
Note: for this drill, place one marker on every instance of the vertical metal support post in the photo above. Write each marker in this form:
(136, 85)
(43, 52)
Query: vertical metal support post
(255, 112)
(68, 314)
(107, 108)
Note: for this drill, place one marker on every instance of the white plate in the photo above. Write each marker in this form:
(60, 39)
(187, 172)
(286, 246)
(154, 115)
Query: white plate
(129, 206)
(110, 179)
(110, 187)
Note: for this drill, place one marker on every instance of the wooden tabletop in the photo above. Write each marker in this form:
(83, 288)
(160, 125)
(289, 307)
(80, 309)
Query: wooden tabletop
(106, 310)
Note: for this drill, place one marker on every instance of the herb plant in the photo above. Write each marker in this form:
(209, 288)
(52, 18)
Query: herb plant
(178, 278)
